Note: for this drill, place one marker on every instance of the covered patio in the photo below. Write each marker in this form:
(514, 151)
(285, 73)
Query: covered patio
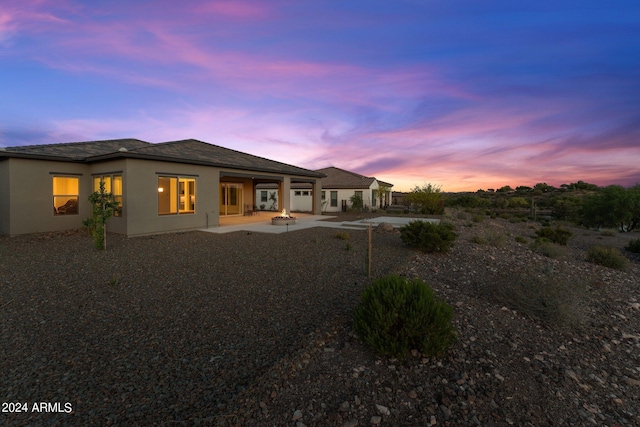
(257, 217)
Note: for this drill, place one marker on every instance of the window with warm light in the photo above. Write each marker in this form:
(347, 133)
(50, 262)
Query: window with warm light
(65, 195)
(176, 195)
(113, 185)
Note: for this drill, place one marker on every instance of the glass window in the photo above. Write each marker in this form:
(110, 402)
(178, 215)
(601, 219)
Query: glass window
(323, 195)
(65, 195)
(305, 193)
(263, 196)
(334, 199)
(116, 189)
(113, 185)
(297, 193)
(176, 195)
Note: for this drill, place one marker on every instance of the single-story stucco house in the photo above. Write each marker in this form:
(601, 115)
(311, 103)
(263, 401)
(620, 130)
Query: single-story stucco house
(164, 187)
(338, 186)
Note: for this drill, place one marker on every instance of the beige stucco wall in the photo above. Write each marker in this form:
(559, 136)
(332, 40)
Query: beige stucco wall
(26, 198)
(140, 197)
(4, 196)
(31, 195)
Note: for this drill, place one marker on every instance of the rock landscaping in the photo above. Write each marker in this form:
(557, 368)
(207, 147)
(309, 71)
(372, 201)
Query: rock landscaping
(248, 329)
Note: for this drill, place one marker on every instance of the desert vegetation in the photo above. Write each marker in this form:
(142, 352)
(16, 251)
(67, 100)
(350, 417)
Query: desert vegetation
(429, 237)
(397, 315)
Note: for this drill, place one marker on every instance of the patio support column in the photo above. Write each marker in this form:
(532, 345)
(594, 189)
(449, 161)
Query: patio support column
(316, 203)
(284, 194)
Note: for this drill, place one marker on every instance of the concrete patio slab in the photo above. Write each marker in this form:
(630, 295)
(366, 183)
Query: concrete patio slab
(310, 221)
(396, 221)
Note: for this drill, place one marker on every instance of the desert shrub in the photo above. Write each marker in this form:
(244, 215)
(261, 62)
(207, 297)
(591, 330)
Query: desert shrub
(557, 301)
(607, 232)
(556, 235)
(493, 239)
(427, 199)
(520, 239)
(633, 246)
(462, 215)
(545, 247)
(496, 239)
(397, 315)
(343, 235)
(429, 237)
(478, 240)
(607, 257)
(477, 218)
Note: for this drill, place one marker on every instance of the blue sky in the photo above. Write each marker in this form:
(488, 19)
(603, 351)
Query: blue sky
(462, 94)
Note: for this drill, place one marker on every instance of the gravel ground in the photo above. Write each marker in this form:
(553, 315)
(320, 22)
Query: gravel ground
(253, 329)
(165, 330)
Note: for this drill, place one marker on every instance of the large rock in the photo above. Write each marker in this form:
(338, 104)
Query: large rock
(385, 227)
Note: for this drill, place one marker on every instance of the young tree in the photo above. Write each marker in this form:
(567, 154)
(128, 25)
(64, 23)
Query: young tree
(274, 200)
(613, 206)
(104, 205)
(380, 194)
(356, 201)
(428, 199)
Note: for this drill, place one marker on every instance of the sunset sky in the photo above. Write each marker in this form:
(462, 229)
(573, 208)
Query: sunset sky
(462, 94)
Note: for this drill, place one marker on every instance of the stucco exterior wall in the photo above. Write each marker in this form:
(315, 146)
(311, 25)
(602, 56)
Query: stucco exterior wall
(346, 194)
(141, 198)
(30, 189)
(4, 196)
(26, 195)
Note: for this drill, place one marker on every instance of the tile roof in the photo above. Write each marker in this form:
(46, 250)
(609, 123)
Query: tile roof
(74, 151)
(185, 151)
(340, 178)
(335, 178)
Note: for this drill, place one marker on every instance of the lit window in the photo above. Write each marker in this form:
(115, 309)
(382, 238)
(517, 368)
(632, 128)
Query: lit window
(113, 185)
(176, 195)
(65, 195)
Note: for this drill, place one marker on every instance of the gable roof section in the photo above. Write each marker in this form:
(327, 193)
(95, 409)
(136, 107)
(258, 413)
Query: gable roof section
(198, 152)
(340, 178)
(73, 151)
(188, 151)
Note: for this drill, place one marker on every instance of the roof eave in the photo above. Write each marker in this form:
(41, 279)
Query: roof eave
(16, 155)
(134, 155)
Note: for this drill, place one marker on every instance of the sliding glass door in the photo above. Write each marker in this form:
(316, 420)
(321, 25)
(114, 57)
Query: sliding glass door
(230, 198)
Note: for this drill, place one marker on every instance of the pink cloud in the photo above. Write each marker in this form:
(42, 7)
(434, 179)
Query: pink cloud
(234, 9)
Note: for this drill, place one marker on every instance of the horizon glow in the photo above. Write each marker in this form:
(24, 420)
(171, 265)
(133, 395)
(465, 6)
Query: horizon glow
(460, 94)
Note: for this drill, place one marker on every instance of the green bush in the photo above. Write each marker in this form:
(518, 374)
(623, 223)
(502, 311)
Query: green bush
(397, 315)
(607, 257)
(492, 239)
(545, 247)
(343, 235)
(633, 246)
(427, 199)
(478, 240)
(477, 218)
(556, 235)
(520, 239)
(429, 237)
(555, 300)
